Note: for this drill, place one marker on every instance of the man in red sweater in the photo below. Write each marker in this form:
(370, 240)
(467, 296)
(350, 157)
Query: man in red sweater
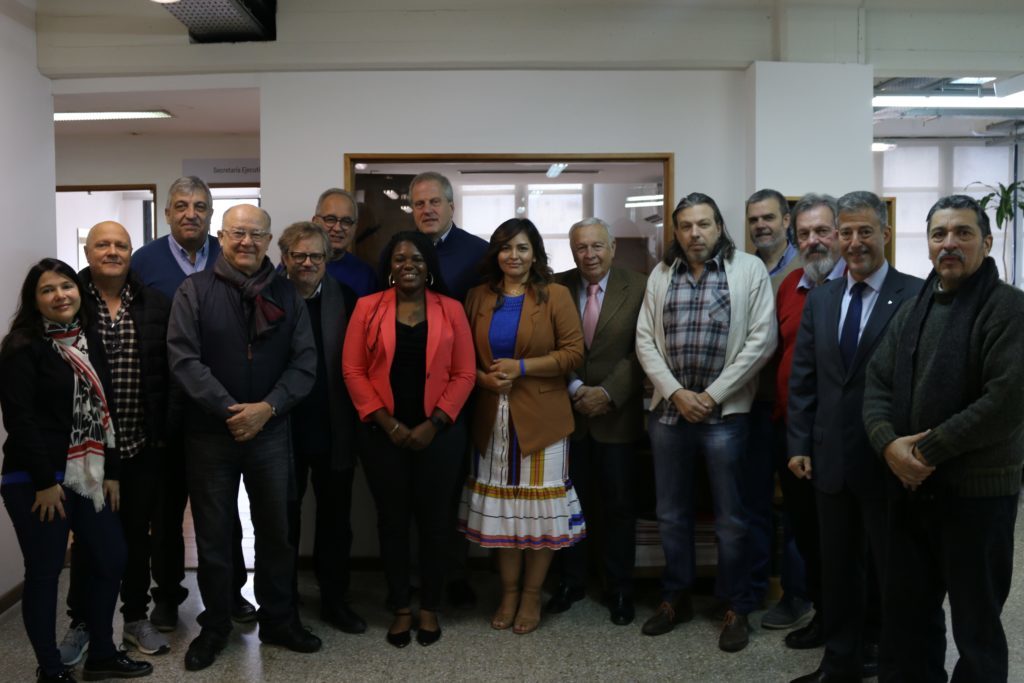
(813, 229)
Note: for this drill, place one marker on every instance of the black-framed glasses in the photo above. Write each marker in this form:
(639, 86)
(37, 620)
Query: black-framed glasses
(237, 235)
(331, 220)
(315, 258)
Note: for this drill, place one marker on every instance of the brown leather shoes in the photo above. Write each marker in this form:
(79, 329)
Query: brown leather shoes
(670, 613)
(735, 632)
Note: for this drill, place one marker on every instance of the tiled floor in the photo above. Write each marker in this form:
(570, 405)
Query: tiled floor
(578, 645)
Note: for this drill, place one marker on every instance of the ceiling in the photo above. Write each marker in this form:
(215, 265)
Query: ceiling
(196, 112)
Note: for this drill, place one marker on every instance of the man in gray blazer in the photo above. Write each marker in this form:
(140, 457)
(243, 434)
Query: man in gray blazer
(608, 409)
(842, 323)
(323, 424)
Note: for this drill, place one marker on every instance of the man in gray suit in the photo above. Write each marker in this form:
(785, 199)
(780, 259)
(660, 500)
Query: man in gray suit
(842, 323)
(323, 423)
(608, 409)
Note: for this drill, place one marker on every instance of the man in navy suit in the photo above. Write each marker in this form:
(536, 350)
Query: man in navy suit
(842, 323)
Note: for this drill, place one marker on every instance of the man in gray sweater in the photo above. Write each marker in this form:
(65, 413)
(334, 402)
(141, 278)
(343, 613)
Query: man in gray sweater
(943, 405)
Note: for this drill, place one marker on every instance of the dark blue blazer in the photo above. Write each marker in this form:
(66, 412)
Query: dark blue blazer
(826, 399)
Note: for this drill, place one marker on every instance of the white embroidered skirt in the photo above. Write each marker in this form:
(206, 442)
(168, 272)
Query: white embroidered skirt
(513, 500)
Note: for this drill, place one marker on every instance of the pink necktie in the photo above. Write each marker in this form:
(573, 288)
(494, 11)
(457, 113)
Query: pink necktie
(591, 312)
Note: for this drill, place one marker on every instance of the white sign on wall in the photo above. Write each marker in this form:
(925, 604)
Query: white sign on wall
(223, 170)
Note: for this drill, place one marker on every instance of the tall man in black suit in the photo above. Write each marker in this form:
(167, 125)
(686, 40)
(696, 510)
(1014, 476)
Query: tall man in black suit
(842, 323)
(322, 424)
(608, 409)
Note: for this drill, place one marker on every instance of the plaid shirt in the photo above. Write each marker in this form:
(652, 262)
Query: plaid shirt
(696, 318)
(121, 344)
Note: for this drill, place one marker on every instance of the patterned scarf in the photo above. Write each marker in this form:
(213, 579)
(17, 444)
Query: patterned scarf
(92, 429)
(262, 311)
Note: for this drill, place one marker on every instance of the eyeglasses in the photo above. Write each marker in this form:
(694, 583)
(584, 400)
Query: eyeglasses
(239, 235)
(330, 220)
(300, 257)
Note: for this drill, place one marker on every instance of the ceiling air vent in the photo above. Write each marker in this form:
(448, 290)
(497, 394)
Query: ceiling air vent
(227, 21)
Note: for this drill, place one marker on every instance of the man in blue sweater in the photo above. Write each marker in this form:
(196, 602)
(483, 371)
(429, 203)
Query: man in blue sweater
(338, 214)
(459, 252)
(164, 264)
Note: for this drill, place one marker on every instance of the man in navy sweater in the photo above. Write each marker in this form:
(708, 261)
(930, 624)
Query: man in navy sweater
(433, 203)
(164, 264)
(338, 214)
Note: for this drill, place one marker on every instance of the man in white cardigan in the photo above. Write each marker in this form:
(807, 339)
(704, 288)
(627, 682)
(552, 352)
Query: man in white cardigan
(706, 327)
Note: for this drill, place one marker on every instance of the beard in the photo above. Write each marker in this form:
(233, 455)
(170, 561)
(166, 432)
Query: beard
(818, 268)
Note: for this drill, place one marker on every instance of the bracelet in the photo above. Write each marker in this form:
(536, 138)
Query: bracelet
(395, 428)
(522, 367)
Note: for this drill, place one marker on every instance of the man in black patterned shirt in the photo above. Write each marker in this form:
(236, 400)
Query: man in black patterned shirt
(132, 322)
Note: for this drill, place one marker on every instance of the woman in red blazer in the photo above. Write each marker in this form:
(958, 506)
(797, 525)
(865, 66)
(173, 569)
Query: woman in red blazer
(518, 498)
(408, 363)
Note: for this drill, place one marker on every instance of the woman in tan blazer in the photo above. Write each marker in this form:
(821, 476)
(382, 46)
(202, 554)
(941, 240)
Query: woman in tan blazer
(518, 498)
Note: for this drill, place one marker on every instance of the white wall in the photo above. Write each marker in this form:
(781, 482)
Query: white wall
(815, 137)
(128, 159)
(27, 176)
(698, 116)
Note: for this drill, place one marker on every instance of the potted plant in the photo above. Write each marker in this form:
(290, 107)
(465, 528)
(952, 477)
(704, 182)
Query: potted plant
(1008, 200)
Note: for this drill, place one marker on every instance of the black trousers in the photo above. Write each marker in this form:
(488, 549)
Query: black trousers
(139, 488)
(42, 546)
(853, 535)
(332, 536)
(798, 500)
(168, 550)
(604, 472)
(414, 486)
(216, 463)
(962, 547)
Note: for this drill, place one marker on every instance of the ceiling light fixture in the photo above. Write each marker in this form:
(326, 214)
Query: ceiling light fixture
(882, 146)
(165, 2)
(556, 170)
(62, 117)
(948, 102)
(646, 198)
(973, 80)
(641, 205)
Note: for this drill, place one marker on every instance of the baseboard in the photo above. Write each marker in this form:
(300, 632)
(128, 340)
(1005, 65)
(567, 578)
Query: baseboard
(11, 597)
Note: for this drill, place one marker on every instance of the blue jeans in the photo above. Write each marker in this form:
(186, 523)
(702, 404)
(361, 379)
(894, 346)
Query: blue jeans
(100, 540)
(674, 449)
(215, 463)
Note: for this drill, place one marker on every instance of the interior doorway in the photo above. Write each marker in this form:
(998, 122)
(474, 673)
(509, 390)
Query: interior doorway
(79, 207)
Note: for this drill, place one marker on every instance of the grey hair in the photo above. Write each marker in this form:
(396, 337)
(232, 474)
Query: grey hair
(426, 176)
(962, 201)
(768, 193)
(300, 231)
(330, 192)
(593, 220)
(861, 200)
(188, 184)
(811, 200)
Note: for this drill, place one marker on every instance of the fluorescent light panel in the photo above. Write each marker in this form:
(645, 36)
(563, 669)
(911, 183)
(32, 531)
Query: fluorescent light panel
(973, 80)
(882, 146)
(646, 198)
(1015, 101)
(556, 170)
(641, 205)
(60, 117)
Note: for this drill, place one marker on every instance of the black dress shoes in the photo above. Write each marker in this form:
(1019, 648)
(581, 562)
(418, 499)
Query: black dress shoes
(203, 650)
(563, 599)
(65, 676)
(292, 635)
(620, 608)
(820, 676)
(341, 617)
(242, 611)
(425, 637)
(461, 594)
(669, 613)
(808, 637)
(118, 666)
(400, 639)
